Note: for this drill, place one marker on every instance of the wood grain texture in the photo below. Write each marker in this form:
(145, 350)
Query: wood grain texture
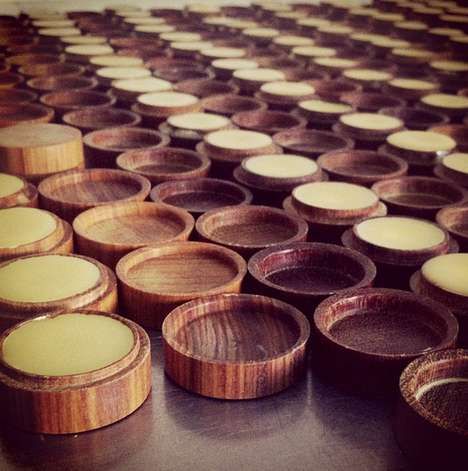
(154, 280)
(229, 104)
(235, 346)
(77, 403)
(27, 195)
(269, 122)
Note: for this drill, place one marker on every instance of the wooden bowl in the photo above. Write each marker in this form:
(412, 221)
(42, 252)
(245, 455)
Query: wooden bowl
(199, 195)
(59, 83)
(182, 74)
(370, 101)
(54, 283)
(68, 194)
(230, 104)
(38, 150)
(444, 103)
(248, 362)
(16, 191)
(248, 229)
(61, 69)
(334, 89)
(454, 219)
(321, 114)
(361, 166)
(285, 95)
(24, 113)
(29, 231)
(19, 60)
(165, 164)
(418, 196)
(109, 232)
(203, 88)
(451, 169)
(415, 118)
(366, 337)
(311, 143)
(67, 403)
(430, 424)
(9, 80)
(458, 132)
(269, 122)
(155, 280)
(103, 146)
(14, 96)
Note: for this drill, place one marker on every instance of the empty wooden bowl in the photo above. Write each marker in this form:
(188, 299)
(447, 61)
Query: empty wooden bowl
(248, 229)
(267, 121)
(109, 232)
(334, 89)
(76, 360)
(24, 113)
(454, 219)
(16, 191)
(430, 423)
(366, 337)
(61, 69)
(230, 104)
(53, 283)
(180, 74)
(305, 273)
(103, 146)
(204, 88)
(9, 80)
(363, 167)
(155, 280)
(248, 361)
(418, 196)
(71, 193)
(59, 83)
(165, 164)
(16, 96)
(415, 118)
(371, 102)
(199, 195)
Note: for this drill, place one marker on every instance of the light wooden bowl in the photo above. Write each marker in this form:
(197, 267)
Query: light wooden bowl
(17, 191)
(24, 114)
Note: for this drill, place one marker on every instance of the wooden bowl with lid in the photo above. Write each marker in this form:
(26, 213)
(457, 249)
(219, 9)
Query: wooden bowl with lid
(16, 191)
(321, 114)
(61, 69)
(334, 89)
(453, 168)
(230, 104)
(457, 132)
(24, 113)
(454, 106)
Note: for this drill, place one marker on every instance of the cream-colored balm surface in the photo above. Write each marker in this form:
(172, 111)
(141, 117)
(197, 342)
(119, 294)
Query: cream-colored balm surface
(372, 121)
(180, 36)
(314, 51)
(117, 73)
(400, 233)
(224, 52)
(335, 195)
(413, 84)
(238, 140)
(450, 66)
(283, 88)
(448, 272)
(421, 141)
(445, 100)
(167, 99)
(143, 85)
(457, 161)
(335, 62)
(67, 344)
(322, 106)
(280, 166)
(292, 40)
(234, 64)
(259, 75)
(190, 45)
(89, 49)
(46, 278)
(114, 60)
(9, 184)
(20, 226)
(198, 121)
(367, 75)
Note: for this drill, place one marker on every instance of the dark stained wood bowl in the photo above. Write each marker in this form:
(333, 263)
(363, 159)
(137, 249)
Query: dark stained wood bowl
(24, 113)
(249, 362)
(16, 96)
(200, 195)
(416, 118)
(334, 89)
(60, 83)
(182, 74)
(266, 121)
(370, 101)
(305, 273)
(230, 104)
(454, 219)
(61, 69)
(9, 80)
(366, 337)
(203, 88)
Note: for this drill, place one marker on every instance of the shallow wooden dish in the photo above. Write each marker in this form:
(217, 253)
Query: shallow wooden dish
(205, 88)
(185, 271)
(15, 96)
(102, 295)
(9, 80)
(458, 132)
(334, 89)
(361, 166)
(68, 194)
(248, 229)
(21, 59)
(199, 195)
(181, 74)
(60, 83)
(230, 104)
(249, 362)
(430, 423)
(24, 113)
(38, 150)
(311, 143)
(415, 118)
(269, 122)
(68, 404)
(366, 337)
(61, 69)
(454, 219)
(103, 146)
(109, 232)
(165, 164)
(23, 193)
(418, 196)
(304, 273)
(370, 101)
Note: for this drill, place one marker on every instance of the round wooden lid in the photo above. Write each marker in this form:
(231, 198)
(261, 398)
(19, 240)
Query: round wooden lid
(174, 36)
(290, 89)
(83, 39)
(367, 75)
(322, 106)
(234, 64)
(167, 99)
(59, 32)
(292, 40)
(89, 49)
(445, 100)
(314, 51)
(412, 84)
(156, 29)
(114, 60)
(224, 52)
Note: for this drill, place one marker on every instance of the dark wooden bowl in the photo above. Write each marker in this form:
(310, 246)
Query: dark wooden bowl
(19, 60)
(200, 195)
(270, 122)
(24, 113)
(415, 118)
(454, 113)
(103, 146)
(418, 196)
(320, 118)
(248, 229)
(371, 102)
(9, 80)
(16, 96)
(204, 88)
(448, 170)
(334, 89)
(248, 362)
(60, 83)
(305, 273)
(182, 74)
(458, 132)
(61, 69)
(277, 99)
(366, 337)
(454, 219)
(395, 89)
(230, 104)
(430, 423)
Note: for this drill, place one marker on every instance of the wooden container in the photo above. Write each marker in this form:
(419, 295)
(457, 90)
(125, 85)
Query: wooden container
(311, 143)
(53, 283)
(38, 150)
(16, 191)
(225, 67)
(443, 279)
(247, 229)
(321, 114)
(370, 79)
(19, 60)
(453, 168)
(454, 219)
(103, 146)
(235, 369)
(454, 106)
(457, 132)
(250, 80)
(410, 89)
(106, 75)
(176, 74)
(366, 337)
(155, 280)
(305, 273)
(81, 53)
(398, 246)
(61, 69)
(16, 96)
(333, 89)
(269, 122)
(415, 118)
(230, 104)
(430, 424)
(9, 80)
(109, 232)
(363, 167)
(68, 194)
(371, 102)
(198, 195)
(284, 95)
(58, 83)
(204, 88)
(111, 381)
(418, 196)
(24, 113)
